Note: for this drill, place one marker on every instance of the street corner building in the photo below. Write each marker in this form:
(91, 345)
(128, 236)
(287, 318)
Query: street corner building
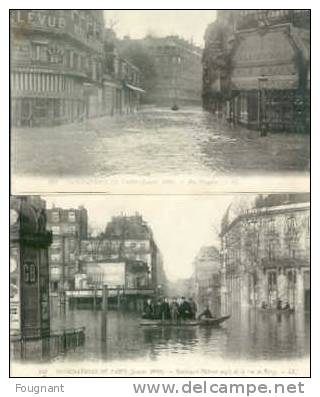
(61, 71)
(265, 253)
(125, 257)
(256, 68)
(29, 278)
(178, 72)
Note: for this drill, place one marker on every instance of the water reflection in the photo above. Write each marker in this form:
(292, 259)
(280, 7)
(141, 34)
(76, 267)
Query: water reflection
(249, 334)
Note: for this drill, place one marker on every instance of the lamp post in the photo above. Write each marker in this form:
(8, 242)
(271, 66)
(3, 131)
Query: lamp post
(159, 290)
(262, 105)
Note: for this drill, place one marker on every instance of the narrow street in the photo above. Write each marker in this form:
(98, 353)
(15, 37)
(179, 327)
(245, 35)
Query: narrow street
(155, 142)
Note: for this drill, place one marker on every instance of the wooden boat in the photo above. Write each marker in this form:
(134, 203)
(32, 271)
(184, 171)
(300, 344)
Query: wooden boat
(169, 323)
(213, 322)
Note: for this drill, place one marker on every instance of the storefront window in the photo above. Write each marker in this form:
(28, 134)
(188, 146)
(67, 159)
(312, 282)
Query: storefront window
(40, 52)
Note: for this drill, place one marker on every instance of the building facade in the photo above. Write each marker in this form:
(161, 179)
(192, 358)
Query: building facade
(256, 68)
(29, 277)
(265, 254)
(68, 227)
(128, 239)
(61, 71)
(56, 66)
(206, 280)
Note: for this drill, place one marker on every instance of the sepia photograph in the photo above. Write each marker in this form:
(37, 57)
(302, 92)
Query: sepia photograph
(159, 193)
(142, 286)
(101, 98)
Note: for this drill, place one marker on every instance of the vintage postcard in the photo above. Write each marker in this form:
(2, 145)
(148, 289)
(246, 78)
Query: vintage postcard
(124, 101)
(145, 285)
(160, 206)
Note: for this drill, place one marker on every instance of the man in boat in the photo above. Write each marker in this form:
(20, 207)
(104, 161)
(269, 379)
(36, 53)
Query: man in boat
(286, 306)
(157, 310)
(206, 313)
(174, 308)
(184, 309)
(148, 312)
(165, 310)
(279, 304)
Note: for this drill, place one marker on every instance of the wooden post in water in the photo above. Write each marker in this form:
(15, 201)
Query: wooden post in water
(118, 298)
(104, 317)
(95, 297)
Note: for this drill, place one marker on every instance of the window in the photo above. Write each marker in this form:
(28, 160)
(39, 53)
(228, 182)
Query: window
(55, 216)
(71, 216)
(55, 257)
(56, 108)
(272, 281)
(76, 60)
(40, 107)
(55, 230)
(271, 226)
(40, 52)
(292, 277)
(72, 228)
(291, 225)
(271, 251)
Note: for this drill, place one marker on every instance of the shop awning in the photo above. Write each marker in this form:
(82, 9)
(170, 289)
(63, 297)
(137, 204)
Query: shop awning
(134, 88)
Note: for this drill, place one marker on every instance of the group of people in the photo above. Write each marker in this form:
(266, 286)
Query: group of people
(279, 306)
(170, 309)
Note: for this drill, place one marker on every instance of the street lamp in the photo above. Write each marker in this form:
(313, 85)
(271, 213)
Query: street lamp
(261, 105)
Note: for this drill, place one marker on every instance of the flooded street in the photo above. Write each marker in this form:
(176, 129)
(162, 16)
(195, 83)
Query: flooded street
(248, 335)
(155, 142)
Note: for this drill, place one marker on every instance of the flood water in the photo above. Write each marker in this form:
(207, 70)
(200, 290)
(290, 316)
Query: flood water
(155, 142)
(249, 334)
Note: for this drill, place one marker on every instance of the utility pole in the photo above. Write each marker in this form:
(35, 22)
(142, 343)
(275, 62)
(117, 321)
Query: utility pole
(262, 105)
(104, 319)
(63, 276)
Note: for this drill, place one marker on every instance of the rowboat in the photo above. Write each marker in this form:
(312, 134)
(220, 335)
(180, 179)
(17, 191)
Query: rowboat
(213, 322)
(169, 323)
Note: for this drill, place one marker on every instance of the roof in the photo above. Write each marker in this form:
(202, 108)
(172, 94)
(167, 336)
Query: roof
(128, 227)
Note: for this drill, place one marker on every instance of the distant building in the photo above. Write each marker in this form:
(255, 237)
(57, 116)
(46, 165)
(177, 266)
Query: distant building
(68, 227)
(206, 279)
(177, 67)
(29, 278)
(256, 68)
(265, 253)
